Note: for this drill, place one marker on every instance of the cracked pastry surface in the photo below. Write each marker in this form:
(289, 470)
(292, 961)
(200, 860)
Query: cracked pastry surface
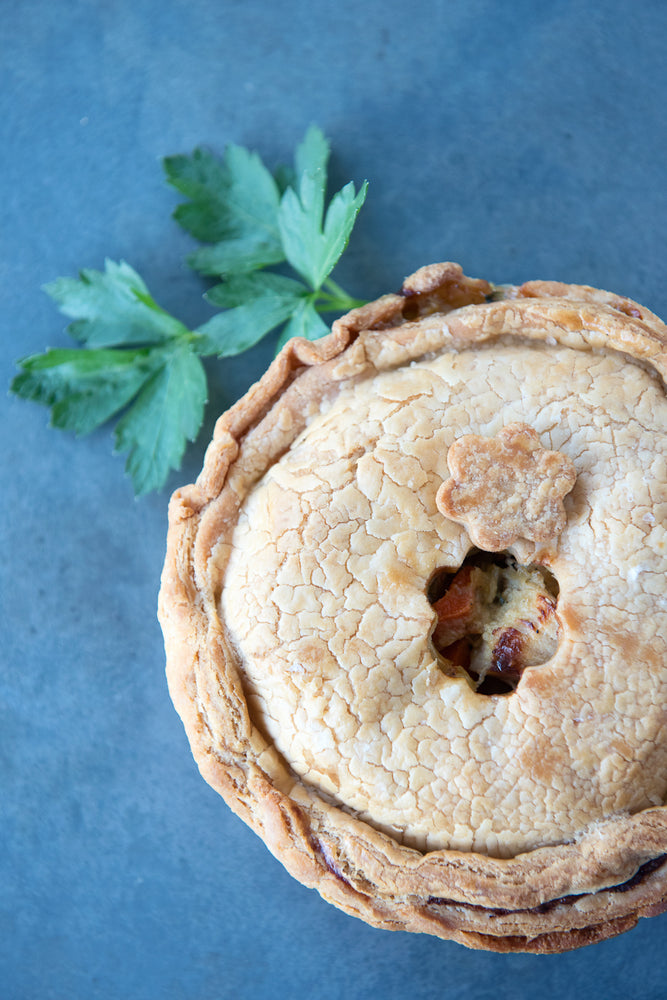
(325, 600)
(301, 637)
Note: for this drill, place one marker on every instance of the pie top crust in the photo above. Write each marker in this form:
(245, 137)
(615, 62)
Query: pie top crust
(299, 624)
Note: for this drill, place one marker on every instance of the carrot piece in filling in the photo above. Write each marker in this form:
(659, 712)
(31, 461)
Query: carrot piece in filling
(454, 609)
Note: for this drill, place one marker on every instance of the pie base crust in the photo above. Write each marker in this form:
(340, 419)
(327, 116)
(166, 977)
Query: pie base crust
(586, 869)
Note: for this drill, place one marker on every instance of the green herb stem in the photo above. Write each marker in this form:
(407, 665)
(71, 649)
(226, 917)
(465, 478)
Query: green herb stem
(336, 298)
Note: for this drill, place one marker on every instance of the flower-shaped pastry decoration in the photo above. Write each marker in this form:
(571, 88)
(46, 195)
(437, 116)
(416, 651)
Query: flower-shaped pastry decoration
(506, 487)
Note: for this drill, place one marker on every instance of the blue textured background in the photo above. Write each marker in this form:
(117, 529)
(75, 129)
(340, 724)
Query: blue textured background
(524, 140)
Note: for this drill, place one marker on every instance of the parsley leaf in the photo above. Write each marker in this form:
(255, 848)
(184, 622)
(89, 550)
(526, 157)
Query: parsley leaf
(235, 200)
(305, 322)
(312, 248)
(168, 411)
(135, 357)
(236, 255)
(255, 305)
(255, 219)
(112, 307)
(263, 220)
(203, 179)
(140, 364)
(83, 388)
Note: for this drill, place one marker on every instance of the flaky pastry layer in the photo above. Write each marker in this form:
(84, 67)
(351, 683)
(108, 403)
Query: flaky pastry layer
(297, 623)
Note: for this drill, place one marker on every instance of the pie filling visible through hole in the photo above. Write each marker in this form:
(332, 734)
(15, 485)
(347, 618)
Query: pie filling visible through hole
(494, 619)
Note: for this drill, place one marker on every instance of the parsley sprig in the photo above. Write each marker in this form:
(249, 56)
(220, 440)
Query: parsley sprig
(141, 364)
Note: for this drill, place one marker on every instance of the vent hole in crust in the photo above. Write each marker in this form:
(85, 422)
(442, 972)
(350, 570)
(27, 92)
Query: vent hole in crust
(495, 618)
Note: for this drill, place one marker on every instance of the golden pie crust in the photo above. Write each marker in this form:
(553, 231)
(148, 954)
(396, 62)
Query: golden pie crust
(299, 626)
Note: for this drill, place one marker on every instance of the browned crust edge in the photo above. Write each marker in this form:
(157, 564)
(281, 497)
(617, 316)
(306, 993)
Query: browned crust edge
(359, 869)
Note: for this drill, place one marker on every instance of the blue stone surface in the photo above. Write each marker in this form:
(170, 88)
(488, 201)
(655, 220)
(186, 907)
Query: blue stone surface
(523, 140)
